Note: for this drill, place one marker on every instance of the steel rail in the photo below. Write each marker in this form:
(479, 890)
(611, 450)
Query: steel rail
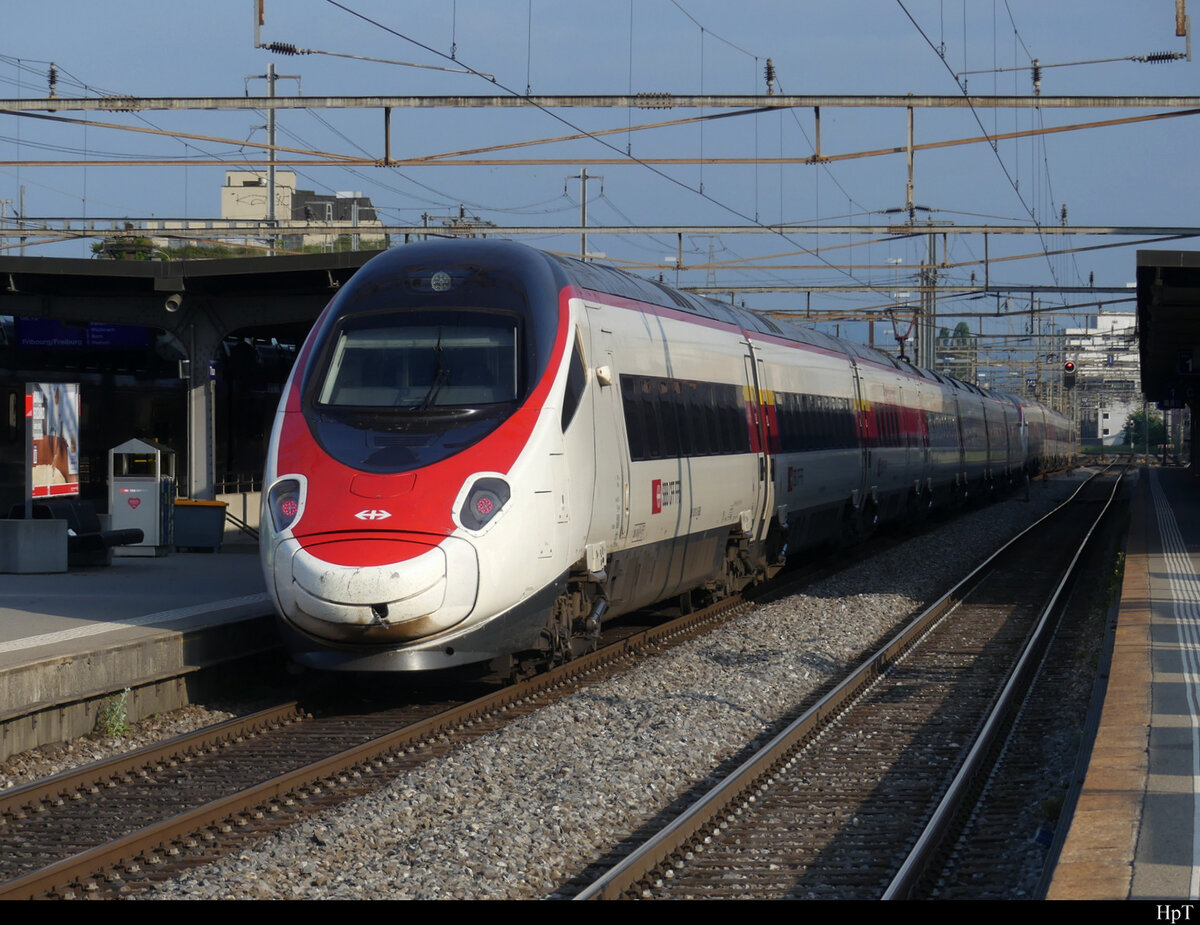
(996, 724)
(86, 864)
(705, 814)
(68, 782)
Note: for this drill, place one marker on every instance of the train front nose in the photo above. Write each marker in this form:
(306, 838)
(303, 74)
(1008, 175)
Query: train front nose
(413, 587)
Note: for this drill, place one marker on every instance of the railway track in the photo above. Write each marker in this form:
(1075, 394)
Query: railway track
(115, 826)
(859, 796)
(53, 841)
(1009, 843)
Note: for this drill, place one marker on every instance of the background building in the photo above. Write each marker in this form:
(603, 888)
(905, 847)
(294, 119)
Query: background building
(1108, 375)
(246, 197)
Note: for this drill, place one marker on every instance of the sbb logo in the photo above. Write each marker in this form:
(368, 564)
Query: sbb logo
(663, 494)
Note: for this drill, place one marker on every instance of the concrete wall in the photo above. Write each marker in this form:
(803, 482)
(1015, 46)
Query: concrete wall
(244, 506)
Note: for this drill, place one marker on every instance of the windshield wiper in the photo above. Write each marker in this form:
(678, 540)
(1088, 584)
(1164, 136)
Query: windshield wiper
(440, 375)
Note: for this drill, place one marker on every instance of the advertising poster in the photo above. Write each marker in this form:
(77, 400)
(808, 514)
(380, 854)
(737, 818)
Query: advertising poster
(52, 413)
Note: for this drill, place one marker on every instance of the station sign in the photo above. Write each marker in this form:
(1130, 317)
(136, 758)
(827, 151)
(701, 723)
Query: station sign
(58, 335)
(52, 438)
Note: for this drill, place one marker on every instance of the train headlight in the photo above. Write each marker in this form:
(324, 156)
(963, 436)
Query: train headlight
(484, 500)
(284, 501)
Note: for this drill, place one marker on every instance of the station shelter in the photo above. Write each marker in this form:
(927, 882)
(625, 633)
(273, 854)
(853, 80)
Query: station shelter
(189, 354)
(1168, 320)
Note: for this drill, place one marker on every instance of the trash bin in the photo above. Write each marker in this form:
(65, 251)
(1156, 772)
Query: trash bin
(141, 495)
(199, 524)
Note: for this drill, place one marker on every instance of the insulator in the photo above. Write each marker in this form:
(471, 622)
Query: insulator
(1160, 56)
(53, 78)
(282, 48)
(770, 75)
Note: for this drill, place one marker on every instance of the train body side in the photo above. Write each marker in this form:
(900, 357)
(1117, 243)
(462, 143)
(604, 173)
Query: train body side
(523, 446)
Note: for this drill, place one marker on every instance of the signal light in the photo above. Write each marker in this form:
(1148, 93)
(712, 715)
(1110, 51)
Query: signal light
(1068, 374)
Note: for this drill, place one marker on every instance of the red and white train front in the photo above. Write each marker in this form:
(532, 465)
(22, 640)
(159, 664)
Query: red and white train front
(396, 526)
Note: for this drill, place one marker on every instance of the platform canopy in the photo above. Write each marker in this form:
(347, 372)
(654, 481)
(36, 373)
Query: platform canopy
(1168, 291)
(244, 291)
(199, 302)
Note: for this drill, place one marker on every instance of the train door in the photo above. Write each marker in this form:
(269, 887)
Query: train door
(914, 433)
(961, 426)
(761, 408)
(925, 440)
(1023, 430)
(610, 500)
(862, 416)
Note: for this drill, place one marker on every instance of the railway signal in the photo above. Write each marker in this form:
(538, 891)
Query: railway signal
(1069, 374)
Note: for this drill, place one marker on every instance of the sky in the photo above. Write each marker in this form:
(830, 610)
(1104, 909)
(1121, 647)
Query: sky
(1140, 174)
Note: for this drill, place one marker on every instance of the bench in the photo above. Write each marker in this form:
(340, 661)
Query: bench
(87, 542)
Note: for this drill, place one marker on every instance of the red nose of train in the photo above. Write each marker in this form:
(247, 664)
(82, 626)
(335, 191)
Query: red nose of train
(418, 588)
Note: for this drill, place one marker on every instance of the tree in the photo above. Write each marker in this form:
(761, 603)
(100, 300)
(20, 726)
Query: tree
(131, 247)
(125, 247)
(1135, 429)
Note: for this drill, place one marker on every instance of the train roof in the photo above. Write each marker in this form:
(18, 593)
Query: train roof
(603, 278)
(600, 277)
(608, 279)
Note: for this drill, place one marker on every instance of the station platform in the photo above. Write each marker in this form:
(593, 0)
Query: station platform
(1135, 833)
(147, 625)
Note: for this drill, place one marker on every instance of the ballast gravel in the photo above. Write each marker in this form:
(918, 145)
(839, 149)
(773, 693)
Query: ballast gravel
(48, 760)
(516, 814)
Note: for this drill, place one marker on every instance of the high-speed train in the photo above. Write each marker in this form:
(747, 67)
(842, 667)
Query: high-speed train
(484, 450)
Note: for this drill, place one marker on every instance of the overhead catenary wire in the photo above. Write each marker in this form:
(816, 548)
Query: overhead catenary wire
(1003, 167)
(460, 158)
(635, 159)
(188, 158)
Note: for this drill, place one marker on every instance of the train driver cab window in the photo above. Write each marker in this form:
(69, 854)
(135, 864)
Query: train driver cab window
(576, 382)
(404, 362)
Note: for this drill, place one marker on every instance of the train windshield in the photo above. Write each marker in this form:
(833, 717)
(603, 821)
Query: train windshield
(405, 362)
(399, 389)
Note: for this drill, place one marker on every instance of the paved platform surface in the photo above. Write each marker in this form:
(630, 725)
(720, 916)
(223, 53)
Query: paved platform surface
(147, 594)
(132, 596)
(142, 623)
(1136, 831)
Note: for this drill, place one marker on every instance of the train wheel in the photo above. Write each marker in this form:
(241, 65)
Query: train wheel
(570, 630)
(736, 573)
(858, 525)
(776, 550)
